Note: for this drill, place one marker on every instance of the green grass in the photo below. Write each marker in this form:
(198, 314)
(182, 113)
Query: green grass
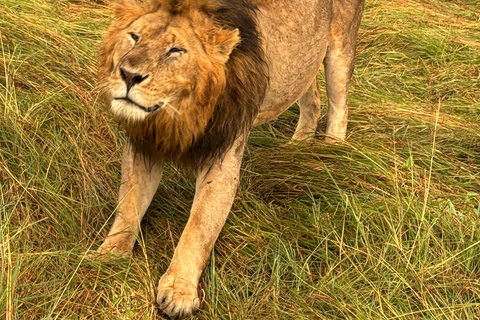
(386, 226)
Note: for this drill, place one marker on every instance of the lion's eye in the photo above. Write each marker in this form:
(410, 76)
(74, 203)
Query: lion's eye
(135, 37)
(175, 50)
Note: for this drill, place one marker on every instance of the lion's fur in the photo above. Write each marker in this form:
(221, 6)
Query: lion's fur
(203, 120)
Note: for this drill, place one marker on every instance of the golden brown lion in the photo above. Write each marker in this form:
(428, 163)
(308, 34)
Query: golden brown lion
(189, 78)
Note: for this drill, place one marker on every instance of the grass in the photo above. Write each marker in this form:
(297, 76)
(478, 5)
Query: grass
(386, 226)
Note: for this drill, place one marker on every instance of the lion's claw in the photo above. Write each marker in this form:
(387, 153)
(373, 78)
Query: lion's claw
(177, 298)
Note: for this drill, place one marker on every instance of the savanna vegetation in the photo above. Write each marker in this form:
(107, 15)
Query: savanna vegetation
(385, 226)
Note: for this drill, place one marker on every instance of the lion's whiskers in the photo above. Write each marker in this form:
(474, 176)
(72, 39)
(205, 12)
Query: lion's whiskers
(168, 106)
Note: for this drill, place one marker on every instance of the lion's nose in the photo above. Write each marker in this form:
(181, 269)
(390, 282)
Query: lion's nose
(131, 78)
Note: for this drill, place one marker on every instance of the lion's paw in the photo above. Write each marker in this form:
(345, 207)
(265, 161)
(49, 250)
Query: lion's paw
(176, 297)
(107, 254)
(120, 244)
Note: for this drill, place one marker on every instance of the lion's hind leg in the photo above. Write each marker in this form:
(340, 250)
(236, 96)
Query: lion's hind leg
(339, 64)
(338, 68)
(310, 109)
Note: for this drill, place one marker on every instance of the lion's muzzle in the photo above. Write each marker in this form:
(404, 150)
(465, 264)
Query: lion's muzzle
(131, 78)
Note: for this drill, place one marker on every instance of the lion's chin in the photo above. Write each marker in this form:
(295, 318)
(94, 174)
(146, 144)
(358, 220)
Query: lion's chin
(125, 110)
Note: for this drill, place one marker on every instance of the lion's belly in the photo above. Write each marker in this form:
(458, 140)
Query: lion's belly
(296, 35)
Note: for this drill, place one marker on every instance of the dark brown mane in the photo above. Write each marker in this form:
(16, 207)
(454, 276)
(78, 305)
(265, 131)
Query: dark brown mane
(247, 80)
(238, 105)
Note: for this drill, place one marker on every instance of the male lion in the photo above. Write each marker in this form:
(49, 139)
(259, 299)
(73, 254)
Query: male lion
(189, 79)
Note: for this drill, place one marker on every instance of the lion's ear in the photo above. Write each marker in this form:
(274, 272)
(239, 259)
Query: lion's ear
(225, 42)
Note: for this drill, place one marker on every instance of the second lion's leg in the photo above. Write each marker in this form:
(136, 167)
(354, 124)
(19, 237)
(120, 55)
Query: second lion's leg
(310, 110)
(140, 179)
(215, 190)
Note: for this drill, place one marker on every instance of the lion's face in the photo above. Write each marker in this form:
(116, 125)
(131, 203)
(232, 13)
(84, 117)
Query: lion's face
(151, 67)
(163, 72)
(157, 64)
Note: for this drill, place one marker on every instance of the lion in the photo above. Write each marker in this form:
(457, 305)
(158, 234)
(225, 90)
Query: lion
(189, 79)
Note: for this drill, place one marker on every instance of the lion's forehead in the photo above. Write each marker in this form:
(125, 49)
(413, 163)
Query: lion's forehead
(163, 26)
(150, 22)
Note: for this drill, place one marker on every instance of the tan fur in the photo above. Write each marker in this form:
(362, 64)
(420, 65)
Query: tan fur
(188, 79)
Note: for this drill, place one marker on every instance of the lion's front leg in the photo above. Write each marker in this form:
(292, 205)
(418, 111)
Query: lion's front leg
(140, 179)
(215, 190)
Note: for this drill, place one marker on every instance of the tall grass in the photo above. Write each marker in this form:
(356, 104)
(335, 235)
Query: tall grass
(386, 226)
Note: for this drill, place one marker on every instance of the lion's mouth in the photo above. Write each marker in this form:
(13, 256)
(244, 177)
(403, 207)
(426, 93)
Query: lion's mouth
(146, 109)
